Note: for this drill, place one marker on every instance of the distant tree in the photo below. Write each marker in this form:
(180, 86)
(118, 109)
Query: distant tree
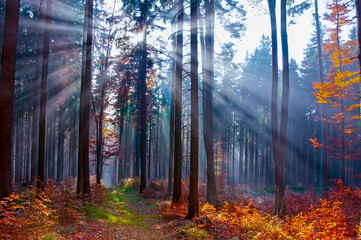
(7, 82)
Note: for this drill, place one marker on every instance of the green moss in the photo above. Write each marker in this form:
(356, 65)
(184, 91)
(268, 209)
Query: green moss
(155, 217)
(92, 212)
(68, 230)
(194, 233)
(134, 199)
(115, 197)
(50, 236)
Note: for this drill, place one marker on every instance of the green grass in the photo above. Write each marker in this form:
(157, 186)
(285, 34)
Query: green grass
(68, 230)
(194, 233)
(134, 199)
(116, 197)
(50, 236)
(126, 189)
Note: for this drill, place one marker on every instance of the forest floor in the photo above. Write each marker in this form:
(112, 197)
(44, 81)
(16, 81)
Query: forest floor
(122, 213)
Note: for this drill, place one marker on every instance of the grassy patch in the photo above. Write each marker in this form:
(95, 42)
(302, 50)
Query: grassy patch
(116, 197)
(194, 232)
(68, 230)
(134, 199)
(126, 189)
(155, 217)
(93, 212)
(50, 236)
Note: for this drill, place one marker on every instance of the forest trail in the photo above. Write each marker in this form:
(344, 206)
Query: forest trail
(123, 215)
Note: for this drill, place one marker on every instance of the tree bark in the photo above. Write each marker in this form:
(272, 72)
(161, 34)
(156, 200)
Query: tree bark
(85, 92)
(323, 123)
(280, 177)
(143, 108)
(43, 96)
(177, 183)
(61, 129)
(171, 128)
(193, 207)
(208, 83)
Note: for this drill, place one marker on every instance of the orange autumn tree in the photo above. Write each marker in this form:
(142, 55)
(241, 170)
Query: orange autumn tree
(340, 89)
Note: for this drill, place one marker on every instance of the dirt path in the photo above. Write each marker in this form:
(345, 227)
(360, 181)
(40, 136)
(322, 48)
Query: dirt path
(124, 215)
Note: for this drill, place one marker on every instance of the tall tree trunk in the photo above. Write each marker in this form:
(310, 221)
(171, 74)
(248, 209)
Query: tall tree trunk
(280, 179)
(149, 149)
(99, 141)
(171, 127)
(143, 108)
(61, 129)
(85, 92)
(177, 183)
(240, 152)
(358, 16)
(208, 83)
(43, 95)
(36, 106)
(193, 207)
(323, 123)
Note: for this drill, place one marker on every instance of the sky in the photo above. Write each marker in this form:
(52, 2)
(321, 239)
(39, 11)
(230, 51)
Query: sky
(258, 23)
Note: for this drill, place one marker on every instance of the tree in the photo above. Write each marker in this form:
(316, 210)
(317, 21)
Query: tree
(358, 17)
(208, 102)
(43, 96)
(280, 162)
(83, 184)
(193, 207)
(339, 88)
(177, 183)
(7, 82)
(324, 125)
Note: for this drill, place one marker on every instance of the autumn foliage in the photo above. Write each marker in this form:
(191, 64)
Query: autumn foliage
(310, 217)
(35, 210)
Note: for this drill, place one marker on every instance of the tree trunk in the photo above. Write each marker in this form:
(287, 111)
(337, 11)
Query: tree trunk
(85, 92)
(177, 183)
(143, 108)
(323, 123)
(171, 128)
(280, 179)
(193, 207)
(35, 124)
(43, 96)
(60, 171)
(208, 83)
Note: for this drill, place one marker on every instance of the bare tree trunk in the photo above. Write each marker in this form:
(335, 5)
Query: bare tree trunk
(208, 83)
(323, 123)
(193, 207)
(43, 96)
(60, 171)
(171, 129)
(85, 92)
(280, 179)
(177, 183)
(143, 108)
